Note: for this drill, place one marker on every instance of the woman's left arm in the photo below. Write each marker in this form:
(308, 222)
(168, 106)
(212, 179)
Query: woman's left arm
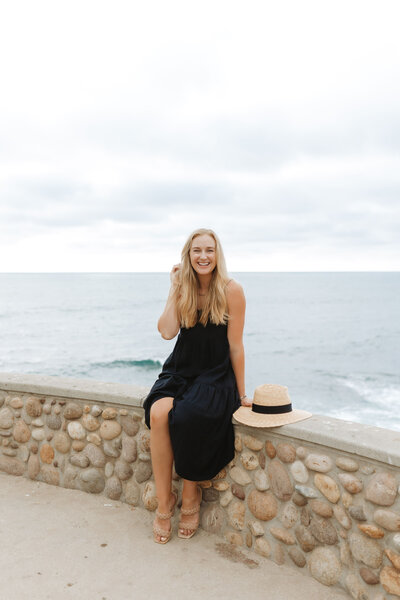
(236, 309)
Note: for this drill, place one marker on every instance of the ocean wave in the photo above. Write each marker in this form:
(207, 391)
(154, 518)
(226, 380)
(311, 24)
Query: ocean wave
(378, 394)
(146, 363)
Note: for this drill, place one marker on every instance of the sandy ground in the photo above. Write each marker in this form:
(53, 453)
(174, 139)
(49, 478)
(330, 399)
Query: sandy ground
(57, 543)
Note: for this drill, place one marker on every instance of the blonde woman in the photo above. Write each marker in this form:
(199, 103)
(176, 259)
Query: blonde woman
(189, 408)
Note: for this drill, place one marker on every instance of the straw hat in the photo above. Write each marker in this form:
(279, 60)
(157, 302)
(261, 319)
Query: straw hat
(271, 408)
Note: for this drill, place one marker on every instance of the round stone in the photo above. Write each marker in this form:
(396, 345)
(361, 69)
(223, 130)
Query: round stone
(33, 466)
(92, 481)
(129, 449)
(132, 492)
(381, 489)
(261, 480)
(239, 475)
(306, 492)
(33, 407)
(347, 499)
(327, 486)
(113, 488)
(90, 422)
(321, 508)
(286, 452)
(47, 408)
(305, 516)
(253, 443)
(37, 422)
(318, 462)
(236, 512)
(95, 455)
(270, 449)
(346, 464)
(109, 448)
(280, 482)
(78, 445)
(393, 557)
(283, 535)
(38, 434)
(21, 432)
(234, 538)
(249, 460)
(46, 453)
(306, 540)
(371, 530)
(50, 475)
(94, 438)
(144, 441)
(109, 413)
(149, 496)
(16, 402)
(299, 471)
(210, 494)
(62, 442)
(6, 418)
(325, 566)
(129, 426)
(351, 483)
(79, 460)
(143, 472)
(289, 516)
(341, 516)
(123, 470)
(54, 422)
(388, 519)
(262, 547)
(76, 431)
(369, 576)
(262, 505)
(23, 453)
(357, 512)
(256, 528)
(261, 459)
(73, 411)
(221, 485)
(96, 410)
(366, 550)
(301, 452)
(225, 498)
(297, 557)
(323, 530)
(238, 491)
(110, 430)
(390, 579)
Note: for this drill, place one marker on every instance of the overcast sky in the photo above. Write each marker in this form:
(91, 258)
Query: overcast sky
(126, 125)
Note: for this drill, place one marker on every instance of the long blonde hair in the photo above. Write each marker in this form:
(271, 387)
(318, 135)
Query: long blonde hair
(215, 305)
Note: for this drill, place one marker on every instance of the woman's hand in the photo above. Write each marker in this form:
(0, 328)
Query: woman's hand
(246, 401)
(175, 274)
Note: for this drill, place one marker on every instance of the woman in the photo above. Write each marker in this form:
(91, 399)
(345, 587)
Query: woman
(189, 408)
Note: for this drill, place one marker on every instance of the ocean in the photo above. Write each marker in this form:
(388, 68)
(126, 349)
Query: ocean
(332, 338)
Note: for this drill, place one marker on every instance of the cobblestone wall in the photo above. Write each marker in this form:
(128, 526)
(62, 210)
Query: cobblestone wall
(328, 513)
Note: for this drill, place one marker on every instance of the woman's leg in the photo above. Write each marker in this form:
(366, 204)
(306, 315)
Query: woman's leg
(189, 500)
(161, 458)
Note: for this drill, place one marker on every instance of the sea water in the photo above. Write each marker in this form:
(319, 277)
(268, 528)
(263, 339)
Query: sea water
(332, 338)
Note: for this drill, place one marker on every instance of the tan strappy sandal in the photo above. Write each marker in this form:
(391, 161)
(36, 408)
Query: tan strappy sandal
(190, 511)
(161, 532)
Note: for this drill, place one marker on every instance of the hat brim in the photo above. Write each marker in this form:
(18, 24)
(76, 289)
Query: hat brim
(245, 415)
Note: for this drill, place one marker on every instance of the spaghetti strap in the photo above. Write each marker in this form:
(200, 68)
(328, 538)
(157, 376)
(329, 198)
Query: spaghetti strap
(199, 376)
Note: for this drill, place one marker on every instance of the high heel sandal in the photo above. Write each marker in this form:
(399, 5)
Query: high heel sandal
(161, 532)
(190, 511)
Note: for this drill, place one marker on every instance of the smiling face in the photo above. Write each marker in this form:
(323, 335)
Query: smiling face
(202, 254)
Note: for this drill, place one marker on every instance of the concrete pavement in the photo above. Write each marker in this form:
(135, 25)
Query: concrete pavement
(61, 544)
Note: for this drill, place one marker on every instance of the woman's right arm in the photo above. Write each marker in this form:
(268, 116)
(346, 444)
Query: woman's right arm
(168, 324)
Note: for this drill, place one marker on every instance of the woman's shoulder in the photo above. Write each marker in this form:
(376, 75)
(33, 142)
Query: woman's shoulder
(233, 287)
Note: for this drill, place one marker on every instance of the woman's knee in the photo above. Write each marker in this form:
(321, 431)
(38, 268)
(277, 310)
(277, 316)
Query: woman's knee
(159, 412)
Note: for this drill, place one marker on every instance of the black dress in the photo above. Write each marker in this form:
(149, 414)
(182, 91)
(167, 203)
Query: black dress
(198, 374)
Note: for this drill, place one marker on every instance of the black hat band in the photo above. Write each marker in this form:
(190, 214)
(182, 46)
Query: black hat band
(271, 410)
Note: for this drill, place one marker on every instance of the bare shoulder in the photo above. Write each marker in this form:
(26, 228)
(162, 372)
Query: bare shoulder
(233, 288)
(234, 293)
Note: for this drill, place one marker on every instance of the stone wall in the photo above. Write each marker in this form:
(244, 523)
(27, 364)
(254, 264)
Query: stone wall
(322, 495)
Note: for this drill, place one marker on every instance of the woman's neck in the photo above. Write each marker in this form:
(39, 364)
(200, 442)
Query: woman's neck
(204, 283)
